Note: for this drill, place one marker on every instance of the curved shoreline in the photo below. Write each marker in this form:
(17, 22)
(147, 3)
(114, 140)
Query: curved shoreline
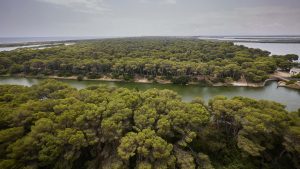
(140, 80)
(241, 83)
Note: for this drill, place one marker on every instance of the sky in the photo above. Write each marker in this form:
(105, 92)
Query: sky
(43, 18)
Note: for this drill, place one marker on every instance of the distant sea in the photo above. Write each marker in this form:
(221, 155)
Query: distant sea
(7, 40)
(259, 39)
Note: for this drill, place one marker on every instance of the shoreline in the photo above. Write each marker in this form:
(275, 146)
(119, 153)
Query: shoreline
(296, 85)
(240, 83)
(141, 80)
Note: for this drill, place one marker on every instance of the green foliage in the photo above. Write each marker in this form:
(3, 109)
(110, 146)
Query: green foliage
(256, 127)
(10, 134)
(163, 58)
(181, 80)
(291, 82)
(128, 77)
(286, 62)
(80, 78)
(296, 76)
(51, 125)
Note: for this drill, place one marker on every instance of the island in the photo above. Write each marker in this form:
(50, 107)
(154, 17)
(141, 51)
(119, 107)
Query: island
(152, 60)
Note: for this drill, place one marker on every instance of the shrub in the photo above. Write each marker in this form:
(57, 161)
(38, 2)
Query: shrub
(128, 77)
(296, 76)
(181, 80)
(291, 82)
(80, 77)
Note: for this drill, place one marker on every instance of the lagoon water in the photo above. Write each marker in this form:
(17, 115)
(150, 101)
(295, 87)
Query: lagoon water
(275, 48)
(288, 97)
(17, 47)
(7, 40)
(40, 46)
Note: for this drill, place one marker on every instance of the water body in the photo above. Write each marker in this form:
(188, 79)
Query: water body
(7, 40)
(41, 46)
(17, 47)
(262, 39)
(289, 97)
(275, 48)
(16, 40)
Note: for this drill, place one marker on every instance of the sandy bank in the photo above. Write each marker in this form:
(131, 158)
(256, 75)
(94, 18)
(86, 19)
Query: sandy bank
(240, 83)
(292, 86)
(243, 84)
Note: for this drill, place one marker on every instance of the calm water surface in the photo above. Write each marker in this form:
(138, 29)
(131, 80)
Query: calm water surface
(275, 48)
(289, 97)
(41, 46)
(6, 40)
(17, 47)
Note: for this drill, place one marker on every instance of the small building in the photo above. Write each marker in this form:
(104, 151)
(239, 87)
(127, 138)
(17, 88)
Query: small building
(295, 71)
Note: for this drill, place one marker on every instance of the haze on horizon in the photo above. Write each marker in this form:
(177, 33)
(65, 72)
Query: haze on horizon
(25, 18)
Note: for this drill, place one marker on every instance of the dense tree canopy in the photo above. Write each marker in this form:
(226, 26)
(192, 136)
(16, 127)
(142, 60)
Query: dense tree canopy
(179, 60)
(52, 125)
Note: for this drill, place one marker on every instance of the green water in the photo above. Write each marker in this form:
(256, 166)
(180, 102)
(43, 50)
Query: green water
(288, 97)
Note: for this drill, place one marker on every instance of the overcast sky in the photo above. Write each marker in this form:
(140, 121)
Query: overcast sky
(148, 17)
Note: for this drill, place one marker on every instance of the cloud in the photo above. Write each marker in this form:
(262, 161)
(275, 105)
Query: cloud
(170, 1)
(244, 20)
(87, 6)
(159, 1)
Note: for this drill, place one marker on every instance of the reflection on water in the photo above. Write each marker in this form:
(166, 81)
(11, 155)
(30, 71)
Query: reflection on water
(286, 96)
